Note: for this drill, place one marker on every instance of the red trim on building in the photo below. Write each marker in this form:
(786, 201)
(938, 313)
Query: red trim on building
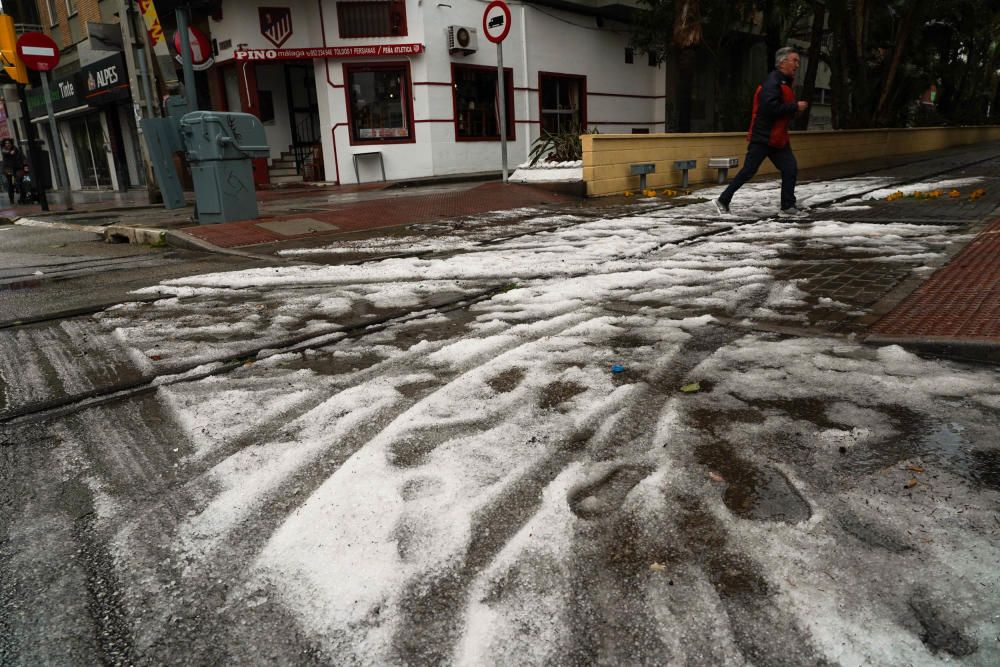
(641, 97)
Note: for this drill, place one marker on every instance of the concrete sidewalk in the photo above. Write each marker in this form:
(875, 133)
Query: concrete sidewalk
(953, 312)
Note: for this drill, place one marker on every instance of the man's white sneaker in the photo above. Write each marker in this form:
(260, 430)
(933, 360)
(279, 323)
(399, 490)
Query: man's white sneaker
(722, 209)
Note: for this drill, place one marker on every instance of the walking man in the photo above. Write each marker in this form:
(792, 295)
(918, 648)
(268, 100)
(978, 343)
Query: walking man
(774, 106)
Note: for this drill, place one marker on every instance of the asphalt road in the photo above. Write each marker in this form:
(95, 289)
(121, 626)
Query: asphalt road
(646, 437)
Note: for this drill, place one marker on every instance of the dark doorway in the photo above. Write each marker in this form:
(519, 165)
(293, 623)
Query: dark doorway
(303, 112)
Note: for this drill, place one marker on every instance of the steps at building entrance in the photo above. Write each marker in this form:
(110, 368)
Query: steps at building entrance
(295, 178)
(282, 170)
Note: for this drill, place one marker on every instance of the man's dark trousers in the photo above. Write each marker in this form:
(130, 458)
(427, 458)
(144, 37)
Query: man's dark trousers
(783, 159)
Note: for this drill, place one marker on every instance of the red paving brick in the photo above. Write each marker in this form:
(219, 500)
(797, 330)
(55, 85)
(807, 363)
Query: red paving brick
(960, 301)
(384, 212)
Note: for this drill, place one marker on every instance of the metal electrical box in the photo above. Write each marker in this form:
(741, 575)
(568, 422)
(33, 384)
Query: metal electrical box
(219, 147)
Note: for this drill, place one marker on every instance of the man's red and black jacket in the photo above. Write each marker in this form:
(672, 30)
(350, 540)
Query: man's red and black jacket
(774, 106)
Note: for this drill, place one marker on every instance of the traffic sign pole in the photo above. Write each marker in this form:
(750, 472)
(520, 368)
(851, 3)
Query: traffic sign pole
(190, 88)
(496, 25)
(56, 143)
(501, 84)
(39, 53)
(38, 179)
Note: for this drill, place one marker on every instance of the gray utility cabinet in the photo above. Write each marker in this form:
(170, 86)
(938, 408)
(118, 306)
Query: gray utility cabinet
(219, 147)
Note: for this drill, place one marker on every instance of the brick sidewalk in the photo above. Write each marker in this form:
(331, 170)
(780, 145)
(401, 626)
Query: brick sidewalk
(335, 219)
(957, 307)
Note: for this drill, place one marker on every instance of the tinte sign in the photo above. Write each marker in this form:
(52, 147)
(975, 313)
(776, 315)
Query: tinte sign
(65, 96)
(105, 81)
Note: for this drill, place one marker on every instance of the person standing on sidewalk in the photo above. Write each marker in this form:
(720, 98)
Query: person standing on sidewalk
(774, 106)
(13, 166)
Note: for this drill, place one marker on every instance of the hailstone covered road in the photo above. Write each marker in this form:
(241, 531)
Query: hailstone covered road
(648, 438)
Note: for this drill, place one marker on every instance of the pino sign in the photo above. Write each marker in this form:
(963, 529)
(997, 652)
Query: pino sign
(37, 51)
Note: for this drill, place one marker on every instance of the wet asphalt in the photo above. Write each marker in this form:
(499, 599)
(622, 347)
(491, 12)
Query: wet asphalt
(694, 550)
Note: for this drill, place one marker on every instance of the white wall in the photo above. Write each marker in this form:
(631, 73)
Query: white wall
(241, 24)
(540, 40)
(270, 77)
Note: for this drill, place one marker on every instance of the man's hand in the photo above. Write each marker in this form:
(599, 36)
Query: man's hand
(803, 105)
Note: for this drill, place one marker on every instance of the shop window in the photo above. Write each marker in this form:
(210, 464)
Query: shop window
(564, 102)
(365, 18)
(477, 103)
(379, 103)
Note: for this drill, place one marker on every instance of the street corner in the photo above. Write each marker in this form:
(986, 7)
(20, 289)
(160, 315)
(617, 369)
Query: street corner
(156, 238)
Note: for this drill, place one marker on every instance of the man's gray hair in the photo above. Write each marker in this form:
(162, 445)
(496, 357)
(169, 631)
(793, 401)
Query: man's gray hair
(782, 53)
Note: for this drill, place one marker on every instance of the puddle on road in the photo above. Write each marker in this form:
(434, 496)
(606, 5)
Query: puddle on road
(947, 446)
(605, 495)
(629, 341)
(759, 493)
(556, 393)
(506, 381)
(330, 364)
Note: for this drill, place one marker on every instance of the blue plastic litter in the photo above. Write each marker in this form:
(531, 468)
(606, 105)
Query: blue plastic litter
(617, 368)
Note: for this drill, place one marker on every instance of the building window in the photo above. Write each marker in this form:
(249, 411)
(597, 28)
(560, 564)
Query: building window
(70, 7)
(380, 18)
(654, 59)
(629, 55)
(564, 101)
(379, 103)
(50, 6)
(477, 102)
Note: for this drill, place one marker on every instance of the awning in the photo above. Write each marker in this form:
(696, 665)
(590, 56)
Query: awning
(75, 111)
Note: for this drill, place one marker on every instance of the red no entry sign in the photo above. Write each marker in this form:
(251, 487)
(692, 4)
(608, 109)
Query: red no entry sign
(496, 21)
(37, 51)
(201, 47)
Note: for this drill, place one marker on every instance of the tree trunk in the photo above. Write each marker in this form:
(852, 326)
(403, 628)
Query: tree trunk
(882, 109)
(687, 62)
(772, 32)
(841, 79)
(687, 37)
(815, 51)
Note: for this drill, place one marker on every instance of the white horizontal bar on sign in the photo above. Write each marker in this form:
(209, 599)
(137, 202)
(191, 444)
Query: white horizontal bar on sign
(63, 114)
(38, 51)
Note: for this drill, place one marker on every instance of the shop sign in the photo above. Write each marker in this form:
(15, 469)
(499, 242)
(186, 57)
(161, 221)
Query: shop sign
(152, 21)
(65, 95)
(368, 51)
(383, 132)
(105, 81)
(275, 24)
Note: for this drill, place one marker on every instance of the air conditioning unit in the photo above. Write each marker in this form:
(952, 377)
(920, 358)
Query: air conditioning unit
(462, 39)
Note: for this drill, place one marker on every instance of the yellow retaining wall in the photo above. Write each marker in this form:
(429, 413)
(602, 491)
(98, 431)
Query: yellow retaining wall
(607, 157)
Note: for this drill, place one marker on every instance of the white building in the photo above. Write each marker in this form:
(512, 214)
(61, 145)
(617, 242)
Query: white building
(411, 84)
